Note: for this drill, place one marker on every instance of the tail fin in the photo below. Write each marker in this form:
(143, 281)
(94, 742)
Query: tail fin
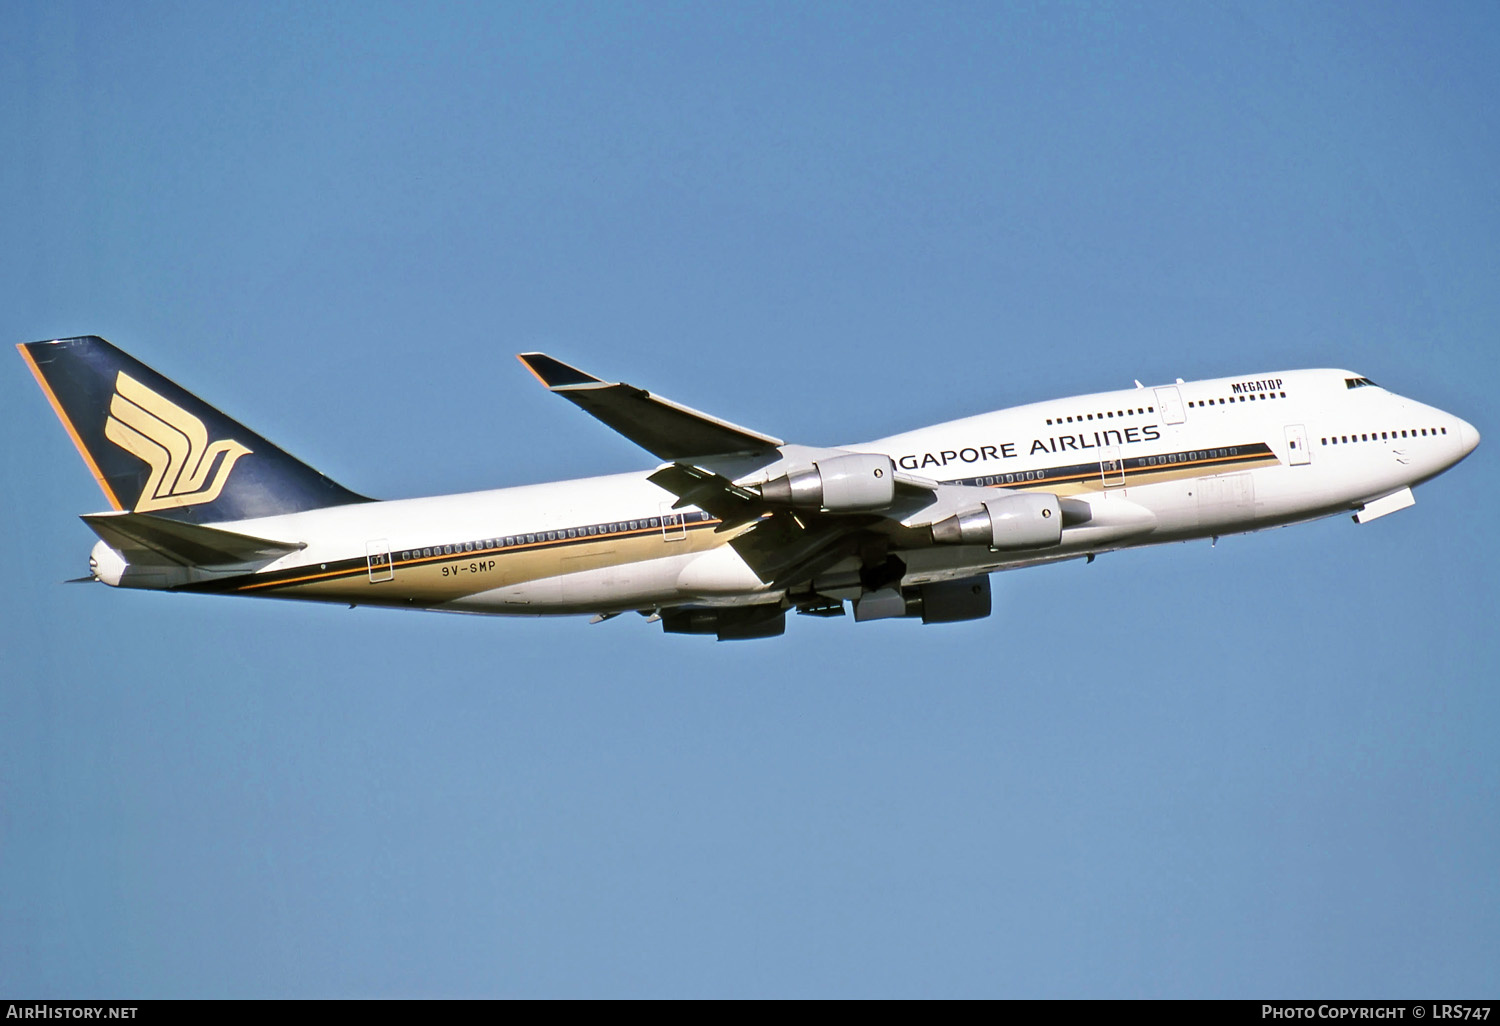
(157, 448)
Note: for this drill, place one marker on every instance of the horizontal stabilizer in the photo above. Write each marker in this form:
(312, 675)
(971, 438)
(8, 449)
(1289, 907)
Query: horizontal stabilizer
(663, 428)
(142, 537)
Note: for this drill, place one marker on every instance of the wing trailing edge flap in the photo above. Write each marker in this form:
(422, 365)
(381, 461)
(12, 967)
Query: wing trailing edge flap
(713, 493)
(667, 430)
(783, 550)
(148, 539)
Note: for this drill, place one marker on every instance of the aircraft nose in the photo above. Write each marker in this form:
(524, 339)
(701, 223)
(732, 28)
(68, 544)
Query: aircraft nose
(1468, 436)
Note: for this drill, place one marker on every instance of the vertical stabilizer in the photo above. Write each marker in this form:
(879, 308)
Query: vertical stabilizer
(156, 448)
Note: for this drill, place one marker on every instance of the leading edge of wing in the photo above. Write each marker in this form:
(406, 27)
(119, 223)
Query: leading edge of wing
(667, 430)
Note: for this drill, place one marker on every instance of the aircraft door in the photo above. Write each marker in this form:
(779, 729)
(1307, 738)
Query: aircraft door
(1169, 405)
(378, 558)
(673, 525)
(1111, 467)
(1296, 445)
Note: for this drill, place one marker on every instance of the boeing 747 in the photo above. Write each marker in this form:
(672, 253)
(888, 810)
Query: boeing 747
(732, 529)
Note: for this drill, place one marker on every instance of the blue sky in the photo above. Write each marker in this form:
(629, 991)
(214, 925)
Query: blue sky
(1265, 768)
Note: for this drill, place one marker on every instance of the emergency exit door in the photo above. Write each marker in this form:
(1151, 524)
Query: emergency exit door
(378, 558)
(1296, 445)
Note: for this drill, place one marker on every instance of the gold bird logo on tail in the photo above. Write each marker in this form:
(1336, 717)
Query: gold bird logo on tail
(173, 443)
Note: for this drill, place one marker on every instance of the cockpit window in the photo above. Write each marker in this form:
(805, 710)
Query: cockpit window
(1358, 382)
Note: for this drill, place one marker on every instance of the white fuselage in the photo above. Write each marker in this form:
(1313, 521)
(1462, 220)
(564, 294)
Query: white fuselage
(1194, 459)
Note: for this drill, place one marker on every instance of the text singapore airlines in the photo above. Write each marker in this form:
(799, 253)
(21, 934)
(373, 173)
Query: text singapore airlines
(734, 528)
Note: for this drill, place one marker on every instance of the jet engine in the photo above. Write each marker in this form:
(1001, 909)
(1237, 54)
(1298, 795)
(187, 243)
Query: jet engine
(1025, 521)
(854, 483)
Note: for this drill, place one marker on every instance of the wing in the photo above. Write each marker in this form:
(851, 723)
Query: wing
(752, 483)
(713, 493)
(663, 428)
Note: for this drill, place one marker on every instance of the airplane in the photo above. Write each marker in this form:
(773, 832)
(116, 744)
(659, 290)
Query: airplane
(732, 529)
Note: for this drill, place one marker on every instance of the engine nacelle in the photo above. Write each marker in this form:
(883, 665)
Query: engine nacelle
(855, 483)
(1025, 521)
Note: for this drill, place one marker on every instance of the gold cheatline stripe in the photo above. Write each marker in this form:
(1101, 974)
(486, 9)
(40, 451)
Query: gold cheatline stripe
(1244, 458)
(355, 571)
(68, 426)
(1137, 471)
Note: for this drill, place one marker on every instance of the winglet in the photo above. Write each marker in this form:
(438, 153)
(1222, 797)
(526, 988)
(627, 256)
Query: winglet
(555, 373)
(667, 430)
